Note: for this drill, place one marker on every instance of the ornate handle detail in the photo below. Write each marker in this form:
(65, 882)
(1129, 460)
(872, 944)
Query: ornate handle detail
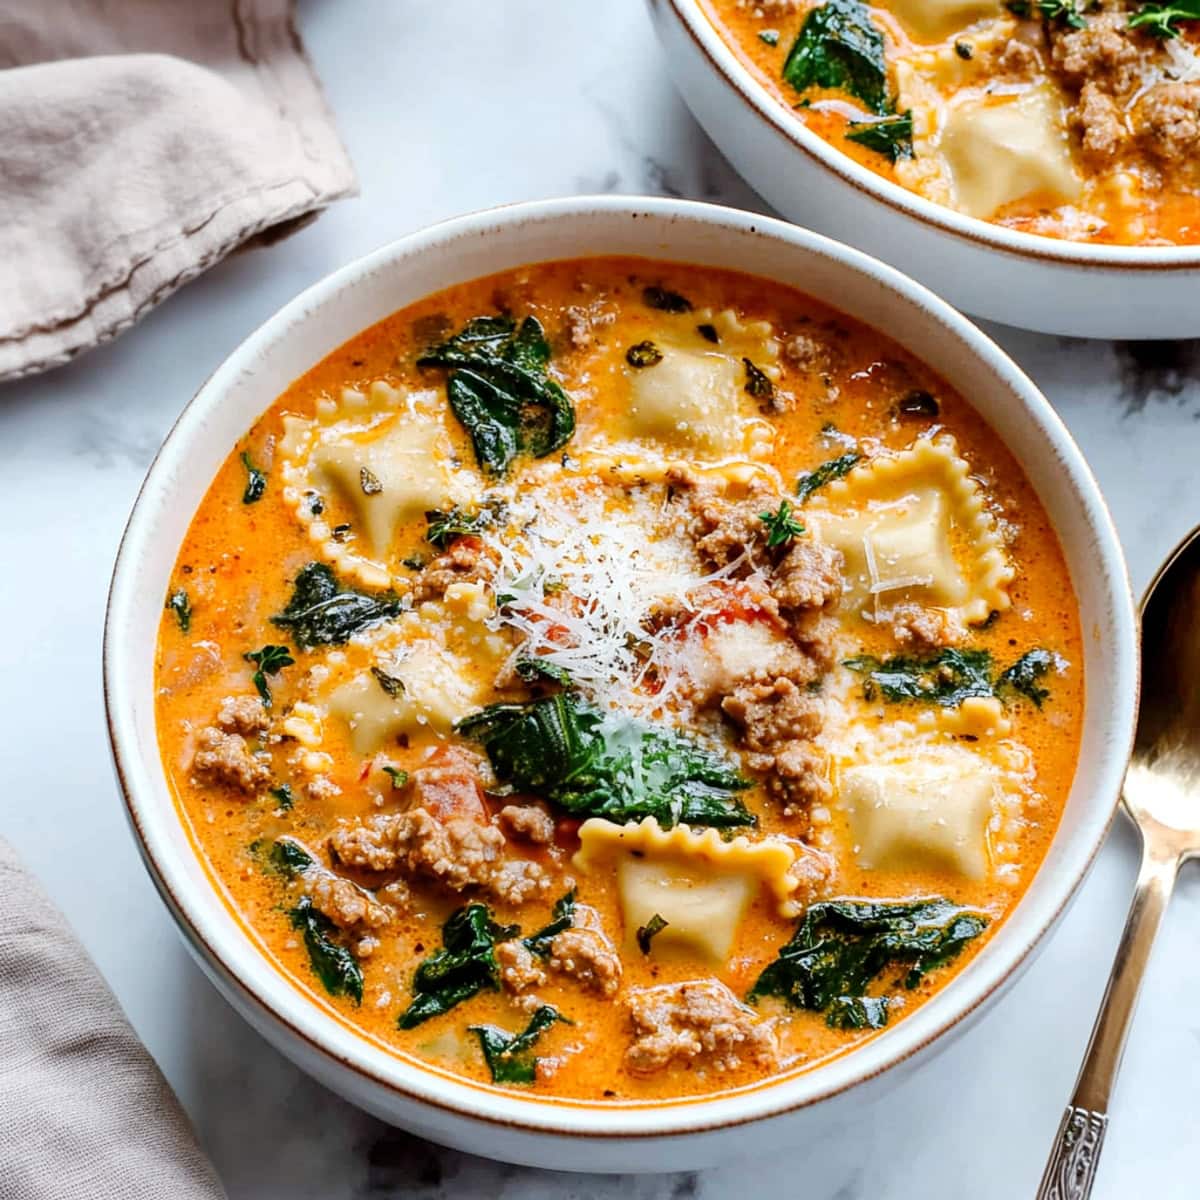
(1071, 1170)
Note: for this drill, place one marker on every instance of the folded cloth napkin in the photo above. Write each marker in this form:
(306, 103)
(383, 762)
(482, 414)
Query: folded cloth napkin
(84, 1112)
(142, 141)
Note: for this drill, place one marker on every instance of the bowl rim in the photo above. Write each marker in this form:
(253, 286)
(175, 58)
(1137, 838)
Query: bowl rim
(722, 59)
(409, 1079)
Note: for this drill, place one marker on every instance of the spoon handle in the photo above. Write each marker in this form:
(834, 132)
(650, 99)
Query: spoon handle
(1071, 1169)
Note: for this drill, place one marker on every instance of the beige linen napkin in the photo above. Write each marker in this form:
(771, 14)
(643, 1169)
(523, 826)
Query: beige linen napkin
(142, 141)
(84, 1112)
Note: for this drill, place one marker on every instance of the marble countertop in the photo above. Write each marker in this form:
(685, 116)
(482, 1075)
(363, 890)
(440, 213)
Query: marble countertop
(447, 108)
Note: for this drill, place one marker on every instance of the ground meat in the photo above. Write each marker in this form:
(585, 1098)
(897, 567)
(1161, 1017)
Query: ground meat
(1100, 122)
(697, 1021)
(344, 903)
(582, 324)
(808, 576)
(242, 714)
(587, 956)
(778, 719)
(530, 822)
(772, 712)
(1018, 57)
(925, 628)
(813, 871)
(459, 853)
(807, 352)
(724, 530)
(226, 758)
(321, 787)
(519, 968)
(449, 786)
(1169, 120)
(1104, 52)
(463, 562)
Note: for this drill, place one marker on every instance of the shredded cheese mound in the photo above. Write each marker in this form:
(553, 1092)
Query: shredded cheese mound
(580, 578)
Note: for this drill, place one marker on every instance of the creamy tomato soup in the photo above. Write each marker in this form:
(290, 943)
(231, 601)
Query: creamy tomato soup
(1068, 118)
(620, 681)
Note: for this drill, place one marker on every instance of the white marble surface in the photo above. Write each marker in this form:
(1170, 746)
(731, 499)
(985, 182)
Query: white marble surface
(446, 108)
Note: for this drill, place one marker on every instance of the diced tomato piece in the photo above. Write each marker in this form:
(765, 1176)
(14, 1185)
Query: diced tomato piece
(448, 786)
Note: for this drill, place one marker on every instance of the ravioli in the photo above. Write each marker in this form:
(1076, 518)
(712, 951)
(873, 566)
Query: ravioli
(932, 20)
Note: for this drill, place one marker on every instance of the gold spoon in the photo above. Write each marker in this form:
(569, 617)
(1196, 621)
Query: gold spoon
(1162, 798)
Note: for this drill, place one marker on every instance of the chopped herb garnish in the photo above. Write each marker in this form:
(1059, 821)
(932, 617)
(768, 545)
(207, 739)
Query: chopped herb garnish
(341, 532)
(964, 50)
(843, 946)
(283, 794)
(561, 920)
(333, 964)
(782, 527)
(413, 562)
(597, 765)
(270, 660)
(369, 482)
(827, 472)
(769, 36)
(533, 669)
(919, 404)
(321, 613)
(179, 603)
(757, 383)
(890, 136)
(444, 527)
(398, 777)
(646, 933)
(316, 506)
(1059, 12)
(390, 684)
(643, 354)
(465, 965)
(510, 1056)
(499, 389)
(256, 481)
(839, 47)
(666, 301)
(1162, 20)
(709, 333)
(950, 676)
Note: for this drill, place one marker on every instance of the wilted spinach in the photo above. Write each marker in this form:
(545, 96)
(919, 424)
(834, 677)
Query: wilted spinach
(510, 1056)
(841, 947)
(256, 481)
(564, 749)
(179, 603)
(270, 660)
(444, 527)
(839, 47)
(827, 472)
(321, 613)
(561, 920)
(333, 964)
(499, 389)
(890, 136)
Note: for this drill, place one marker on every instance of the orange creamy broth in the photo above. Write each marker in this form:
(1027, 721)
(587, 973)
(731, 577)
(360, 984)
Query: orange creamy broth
(237, 563)
(1128, 202)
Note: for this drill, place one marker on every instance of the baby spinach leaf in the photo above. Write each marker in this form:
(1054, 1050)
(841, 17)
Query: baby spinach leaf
(646, 933)
(533, 669)
(841, 947)
(758, 383)
(179, 603)
(827, 472)
(510, 1056)
(563, 918)
(1162, 20)
(599, 765)
(643, 354)
(333, 964)
(321, 613)
(839, 47)
(270, 660)
(256, 481)
(1064, 13)
(288, 857)
(889, 136)
(499, 389)
(665, 301)
(283, 793)
(1024, 675)
(465, 965)
(946, 678)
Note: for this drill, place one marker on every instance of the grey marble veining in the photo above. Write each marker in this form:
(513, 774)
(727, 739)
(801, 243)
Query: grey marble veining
(449, 108)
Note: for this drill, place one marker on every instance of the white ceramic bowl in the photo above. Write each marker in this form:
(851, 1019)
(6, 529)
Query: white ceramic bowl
(1041, 283)
(526, 1128)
